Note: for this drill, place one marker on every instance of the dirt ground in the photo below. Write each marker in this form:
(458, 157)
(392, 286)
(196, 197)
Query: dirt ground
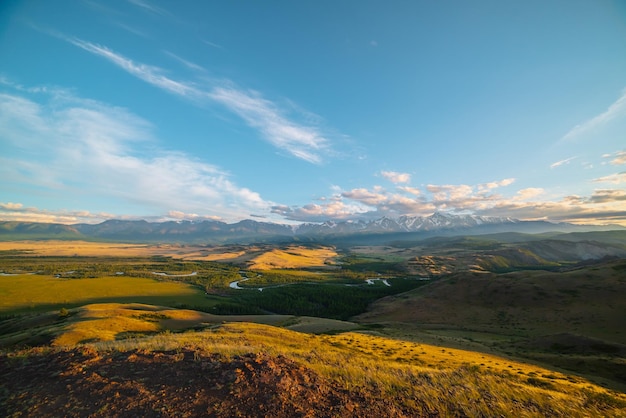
(183, 383)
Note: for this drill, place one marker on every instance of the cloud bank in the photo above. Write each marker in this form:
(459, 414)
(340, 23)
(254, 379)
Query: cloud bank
(71, 146)
(532, 203)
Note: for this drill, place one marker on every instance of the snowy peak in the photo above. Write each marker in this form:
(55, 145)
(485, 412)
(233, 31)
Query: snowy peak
(405, 223)
(253, 231)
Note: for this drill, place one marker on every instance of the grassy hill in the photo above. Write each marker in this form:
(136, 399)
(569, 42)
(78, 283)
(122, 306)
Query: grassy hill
(243, 369)
(573, 319)
(115, 335)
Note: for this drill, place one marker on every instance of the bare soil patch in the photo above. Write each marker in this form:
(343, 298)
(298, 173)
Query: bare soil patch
(182, 383)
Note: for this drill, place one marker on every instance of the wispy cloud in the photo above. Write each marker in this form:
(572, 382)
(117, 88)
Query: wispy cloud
(618, 158)
(613, 178)
(304, 142)
(307, 142)
(562, 162)
(132, 30)
(145, 5)
(396, 177)
(185, 62)
(150, 74)
(212, 44)
(85, 147)
(616, 109)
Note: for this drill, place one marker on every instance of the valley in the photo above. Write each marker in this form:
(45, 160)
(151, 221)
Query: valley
(504, 324)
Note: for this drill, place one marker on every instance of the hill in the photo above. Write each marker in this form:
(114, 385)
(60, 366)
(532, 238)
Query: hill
(259, 370)
(535, 314)
(470, 342)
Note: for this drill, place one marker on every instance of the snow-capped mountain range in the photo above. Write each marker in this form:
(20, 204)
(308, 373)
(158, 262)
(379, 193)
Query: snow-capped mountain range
(436, 221)
(253, 231)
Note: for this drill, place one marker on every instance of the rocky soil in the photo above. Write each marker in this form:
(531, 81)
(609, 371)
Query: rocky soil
(183, 383)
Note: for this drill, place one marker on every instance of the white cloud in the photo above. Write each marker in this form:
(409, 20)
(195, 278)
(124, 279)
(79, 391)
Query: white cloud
(370, 198)
(11, 206)
(396, 177)
(618, 158)
(303, 141)
(411, 190)
(532, 203)
(562, 162)
(178, 215)
(613, 178)
(336, 209)
(495, 184)
(18, 213)
(602, 206)
(528, 193)
(618, 108)
(449, 193)
(84, 147)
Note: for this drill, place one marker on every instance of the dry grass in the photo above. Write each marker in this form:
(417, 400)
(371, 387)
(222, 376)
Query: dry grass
(204, 256)
(112, 321)
(294, 257)
(446, 382)
(430, 379)
(99, 249)
(102, 327)
(26, 292)
(82, 248)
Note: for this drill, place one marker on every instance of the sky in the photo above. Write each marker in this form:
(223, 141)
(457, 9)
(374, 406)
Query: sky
(309, 111)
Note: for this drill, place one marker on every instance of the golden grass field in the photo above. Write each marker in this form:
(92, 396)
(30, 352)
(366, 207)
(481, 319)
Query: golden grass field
(290, 258)
(81, 248)
(111, 321)
(99, 249)
(294, 257)
(30, 291)
(445, 378)
(451, 381)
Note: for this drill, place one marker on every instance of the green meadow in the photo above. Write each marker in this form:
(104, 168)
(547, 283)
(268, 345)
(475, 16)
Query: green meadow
(39, 293)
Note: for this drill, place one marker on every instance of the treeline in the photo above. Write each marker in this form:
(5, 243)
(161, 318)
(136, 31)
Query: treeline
(333, 301)
(208, 274)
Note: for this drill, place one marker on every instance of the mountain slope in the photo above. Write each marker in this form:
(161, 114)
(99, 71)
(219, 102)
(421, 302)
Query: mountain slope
(246, 231)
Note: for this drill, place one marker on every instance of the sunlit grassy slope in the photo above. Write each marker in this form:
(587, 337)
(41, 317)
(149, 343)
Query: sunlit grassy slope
(423, 378)
(293, 257)
(112, 321)
(39, 292)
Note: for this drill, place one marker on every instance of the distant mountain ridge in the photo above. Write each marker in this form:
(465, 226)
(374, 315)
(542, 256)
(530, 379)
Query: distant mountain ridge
(250, 230)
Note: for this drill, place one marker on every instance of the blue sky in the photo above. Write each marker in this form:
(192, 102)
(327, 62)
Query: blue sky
(309, 111)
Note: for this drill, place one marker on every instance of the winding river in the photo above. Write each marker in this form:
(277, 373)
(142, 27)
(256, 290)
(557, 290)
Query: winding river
(235, 284)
